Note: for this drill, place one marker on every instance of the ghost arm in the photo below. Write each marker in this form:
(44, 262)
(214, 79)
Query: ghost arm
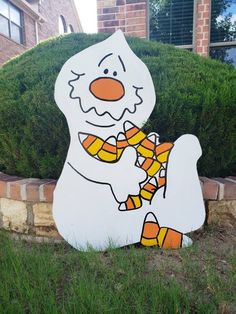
(122, 176)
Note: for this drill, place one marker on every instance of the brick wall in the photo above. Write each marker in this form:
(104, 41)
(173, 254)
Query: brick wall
(10, 48)
(128, 15)
(26, 204)
(51, 10)
(202, 27)
(131, 17)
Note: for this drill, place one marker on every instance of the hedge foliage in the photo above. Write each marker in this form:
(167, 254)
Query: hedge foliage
(194, 95)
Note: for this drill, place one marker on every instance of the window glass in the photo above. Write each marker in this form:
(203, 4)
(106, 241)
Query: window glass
(223, 20)
(171, 21)
(62, 25)
(224, 54)
(15, 15)
(15, 33)
(4, 8)
(4, 28)
(70, 29)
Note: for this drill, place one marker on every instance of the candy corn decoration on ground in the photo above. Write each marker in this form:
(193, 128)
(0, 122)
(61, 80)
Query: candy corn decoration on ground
(154, 235)
(152, 157)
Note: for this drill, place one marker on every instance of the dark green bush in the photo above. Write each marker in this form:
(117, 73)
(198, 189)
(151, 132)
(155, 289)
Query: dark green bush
(194, 95)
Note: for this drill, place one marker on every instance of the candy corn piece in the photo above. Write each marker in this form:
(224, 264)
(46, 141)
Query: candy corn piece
(133, 202)
(92, 144)
(150, 231)
(150, 165)
(149, 189)
(147, 146)
(169, 238)
(121, 144)
(162, 151)
(108, 151)
(133, 134)
(162, 178)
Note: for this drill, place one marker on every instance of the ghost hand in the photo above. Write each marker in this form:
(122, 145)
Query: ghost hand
(128, 176)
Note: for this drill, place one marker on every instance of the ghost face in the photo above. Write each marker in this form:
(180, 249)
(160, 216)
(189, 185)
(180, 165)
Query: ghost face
(103, 86)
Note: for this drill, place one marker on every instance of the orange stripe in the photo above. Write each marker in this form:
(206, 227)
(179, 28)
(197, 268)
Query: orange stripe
(147, 163)
(161, 148)
(150, 230)
(129, 203)
(148, 144)
(88, 141)
(161, 181)
(131, 132)
(173, 240)
(150, 187)
(109, 147)
(122, 144)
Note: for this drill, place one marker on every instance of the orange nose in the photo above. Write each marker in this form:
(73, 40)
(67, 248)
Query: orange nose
(106, 88)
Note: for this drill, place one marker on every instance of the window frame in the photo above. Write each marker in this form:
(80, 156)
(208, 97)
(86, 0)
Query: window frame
(10, 22)
(189, 46)
(219, 44)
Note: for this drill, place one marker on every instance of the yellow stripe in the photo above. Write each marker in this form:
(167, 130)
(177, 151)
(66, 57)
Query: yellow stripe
(161, 236)
(145, 152)
(119, 152)
(154, 168)
(163, 157)
(95, 146)
(146, 195)
(106, 156)
(149, 242)
(137, 201)
(137, 138)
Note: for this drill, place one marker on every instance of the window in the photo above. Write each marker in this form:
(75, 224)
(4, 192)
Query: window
(11, 21)
(171, 21)
(62, 25)
(223, 31)
(70, 29)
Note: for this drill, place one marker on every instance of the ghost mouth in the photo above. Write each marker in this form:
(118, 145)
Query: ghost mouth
(100, 126)
(101, 114)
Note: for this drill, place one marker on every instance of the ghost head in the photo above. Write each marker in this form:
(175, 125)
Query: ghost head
(101, 87)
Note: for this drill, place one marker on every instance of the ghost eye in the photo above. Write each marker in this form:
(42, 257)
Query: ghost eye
(115, 73)
(105, 71)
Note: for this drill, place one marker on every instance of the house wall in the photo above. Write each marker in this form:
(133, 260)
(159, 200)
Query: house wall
(128, 15)
(50, 10)
(9, 48)
(131, 16)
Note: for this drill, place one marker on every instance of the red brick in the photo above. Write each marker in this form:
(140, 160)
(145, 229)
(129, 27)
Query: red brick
(135, 7)
(205, 29)
(107, 30)
(48, 190)
(210, 189)
(200, 22)
(199, 49)
(15, 189)
(32, 190)
(4, 179)
(135, 28)
(199, 36)
(135, 21)
(111, 10)
(205, 42)
(205, 14)
(136, 14)
(106, 17)
(110, 23)
(120, 2)
(200, 8)
(229, 189)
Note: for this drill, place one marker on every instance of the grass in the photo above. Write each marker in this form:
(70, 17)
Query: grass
(54, 278)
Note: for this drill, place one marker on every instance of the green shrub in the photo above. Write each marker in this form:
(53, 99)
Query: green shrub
(194, 95)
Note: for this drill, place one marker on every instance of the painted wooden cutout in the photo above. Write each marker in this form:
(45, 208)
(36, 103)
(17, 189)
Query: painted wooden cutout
(120, 186)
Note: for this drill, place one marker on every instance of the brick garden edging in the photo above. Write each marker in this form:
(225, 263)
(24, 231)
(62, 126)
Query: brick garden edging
(26, 204)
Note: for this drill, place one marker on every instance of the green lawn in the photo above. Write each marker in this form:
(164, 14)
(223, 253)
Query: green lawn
(54, 278)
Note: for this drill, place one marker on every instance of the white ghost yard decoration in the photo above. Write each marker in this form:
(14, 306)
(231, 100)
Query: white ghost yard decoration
(119, 186)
